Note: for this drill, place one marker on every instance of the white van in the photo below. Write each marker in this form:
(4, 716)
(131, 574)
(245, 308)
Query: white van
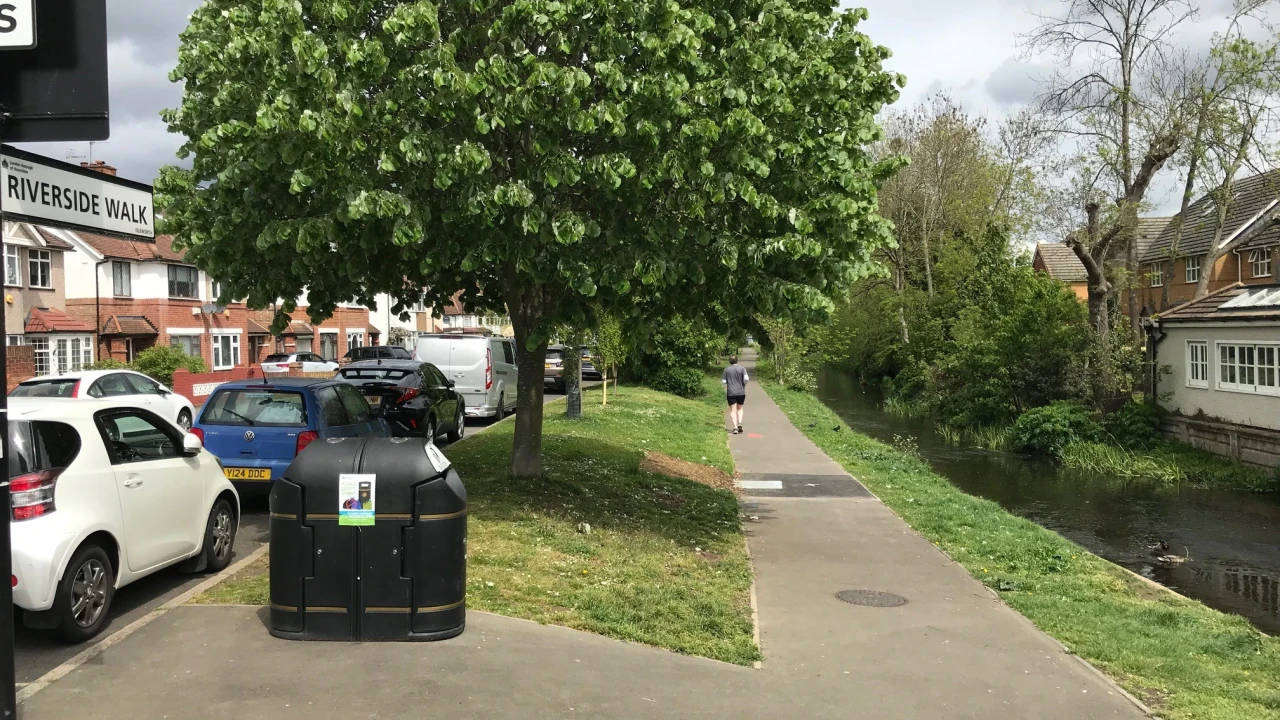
(483, 369)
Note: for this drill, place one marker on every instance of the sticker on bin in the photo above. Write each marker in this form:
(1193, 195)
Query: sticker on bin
(356, 495)
(437, 458)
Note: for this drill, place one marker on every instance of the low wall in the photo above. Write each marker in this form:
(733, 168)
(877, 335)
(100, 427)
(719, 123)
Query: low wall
(1258, 447)
(20, 365)
(198, 386)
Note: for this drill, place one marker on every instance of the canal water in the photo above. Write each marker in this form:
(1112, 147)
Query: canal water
(1233, 538)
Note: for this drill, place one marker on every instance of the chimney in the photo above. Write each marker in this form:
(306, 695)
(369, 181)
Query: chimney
(99, 166)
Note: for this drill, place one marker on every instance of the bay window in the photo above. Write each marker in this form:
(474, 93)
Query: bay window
(1247, 367)
(226, 351)
(184, 282)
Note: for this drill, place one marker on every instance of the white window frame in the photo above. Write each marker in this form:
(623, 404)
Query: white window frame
(116, 266)
(1260, 261)
(13, 340)
(59, 354)
(172, 282)
(232, 348)
(1192, 272)
(1198, 364)
(12, 261)
(1156, 275)
(1243, 366)
(40, 262)
(355, 339)
(40, 343)
(194, 338)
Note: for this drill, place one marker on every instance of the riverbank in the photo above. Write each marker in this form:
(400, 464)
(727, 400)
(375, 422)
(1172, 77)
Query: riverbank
(1180, 657)
(631, 533)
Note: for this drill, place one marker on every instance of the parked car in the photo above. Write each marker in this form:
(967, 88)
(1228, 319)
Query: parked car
(311, 362)
(589, 370)
(414, 397)
(105, 492)
(483, 369)
(553, 368)
(115, 385)
(257, 427)
(376, 352)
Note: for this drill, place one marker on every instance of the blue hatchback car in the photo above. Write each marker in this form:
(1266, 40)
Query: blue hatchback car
(257, 427)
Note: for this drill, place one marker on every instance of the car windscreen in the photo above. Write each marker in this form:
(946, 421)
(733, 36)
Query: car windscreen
(277, 358)
(38, 445)
(555, 354)
(45, 388)
(255, 407)
(363, 376)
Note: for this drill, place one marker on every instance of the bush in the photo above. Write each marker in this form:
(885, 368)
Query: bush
(108, 364)
(685, 382)
(797, 379)
(1051, 428)
(161, 361)
(1134, 425)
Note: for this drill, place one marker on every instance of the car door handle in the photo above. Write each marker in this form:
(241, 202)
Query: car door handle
(132, 481)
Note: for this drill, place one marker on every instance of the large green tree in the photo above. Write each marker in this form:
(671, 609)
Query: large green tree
(547, 156)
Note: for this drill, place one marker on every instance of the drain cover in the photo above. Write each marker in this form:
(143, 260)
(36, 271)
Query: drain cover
(871, 598)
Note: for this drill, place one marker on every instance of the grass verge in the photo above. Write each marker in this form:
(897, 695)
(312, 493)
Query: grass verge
(1180, 657)
(664, 561)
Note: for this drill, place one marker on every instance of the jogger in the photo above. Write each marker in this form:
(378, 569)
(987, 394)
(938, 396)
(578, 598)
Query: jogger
(735, 381)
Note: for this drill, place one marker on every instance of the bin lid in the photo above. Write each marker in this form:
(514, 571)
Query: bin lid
(379, 474)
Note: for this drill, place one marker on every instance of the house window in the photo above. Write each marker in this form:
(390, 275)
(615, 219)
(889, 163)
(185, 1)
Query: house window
(1156, 275)
(40, 268)
(14, 340)
(72, 353)
(184, 282)
(216, 291)
(188, 344)
(226, 351)
(41, 345)
(1198, 364)
(419, 307)
(1249, 368)
(355, 340)
(329, 346)
(122, 279)
(1193, 269)
(1261, 262)
(12, 268)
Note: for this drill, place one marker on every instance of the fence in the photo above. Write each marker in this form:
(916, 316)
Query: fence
(1249, 445)
(198, 386)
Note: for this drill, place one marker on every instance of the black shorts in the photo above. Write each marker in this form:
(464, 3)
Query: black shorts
(737, 399)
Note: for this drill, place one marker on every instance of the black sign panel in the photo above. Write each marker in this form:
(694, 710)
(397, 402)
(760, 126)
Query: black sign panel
(57, 92)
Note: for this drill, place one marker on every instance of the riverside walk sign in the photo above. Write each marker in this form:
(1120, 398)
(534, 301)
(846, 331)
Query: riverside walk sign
(53, 88)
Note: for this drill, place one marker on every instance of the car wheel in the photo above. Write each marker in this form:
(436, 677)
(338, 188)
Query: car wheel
(84, 595)
(429, 429)
(502, 408)
(219, 536)
(184, 420)
(459, 426)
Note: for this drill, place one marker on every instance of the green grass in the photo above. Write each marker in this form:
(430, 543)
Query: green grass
(991, 437)
(665, 563)
(1180, 657)
(1170, 462)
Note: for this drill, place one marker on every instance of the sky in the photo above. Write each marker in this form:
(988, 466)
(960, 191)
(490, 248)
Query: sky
(969, 49)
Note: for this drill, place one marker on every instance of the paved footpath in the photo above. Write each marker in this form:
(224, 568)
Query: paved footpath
(951, 652)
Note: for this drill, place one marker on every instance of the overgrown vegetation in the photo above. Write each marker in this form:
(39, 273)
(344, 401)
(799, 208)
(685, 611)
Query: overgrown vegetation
(161, 361)
(664, 562)
(1180, 657)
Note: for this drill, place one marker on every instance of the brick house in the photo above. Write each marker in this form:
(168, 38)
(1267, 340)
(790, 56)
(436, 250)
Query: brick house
(1060, 262)
(1250, 237)
(458, 317)
(35, 300)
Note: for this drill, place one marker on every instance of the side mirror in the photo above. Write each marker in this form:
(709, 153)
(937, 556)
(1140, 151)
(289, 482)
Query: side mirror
(451, 383)
(191, 445)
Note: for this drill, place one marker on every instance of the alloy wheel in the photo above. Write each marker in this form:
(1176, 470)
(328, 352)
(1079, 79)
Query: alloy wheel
(89, 593)
(222, 536)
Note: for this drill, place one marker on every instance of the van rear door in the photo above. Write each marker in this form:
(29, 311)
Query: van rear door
(463, 360)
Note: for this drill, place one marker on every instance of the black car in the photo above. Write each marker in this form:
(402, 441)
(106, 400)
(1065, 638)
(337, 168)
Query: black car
(413, 396)
(377, 352)
(589, 369)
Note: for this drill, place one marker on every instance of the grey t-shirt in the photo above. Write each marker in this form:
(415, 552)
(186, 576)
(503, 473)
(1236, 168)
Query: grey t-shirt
(735, 380)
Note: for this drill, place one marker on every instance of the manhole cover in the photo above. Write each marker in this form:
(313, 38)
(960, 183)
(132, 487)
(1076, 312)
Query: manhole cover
(871, 598)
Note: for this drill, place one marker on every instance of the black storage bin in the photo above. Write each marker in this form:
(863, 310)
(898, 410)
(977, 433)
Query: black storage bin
(403, 577)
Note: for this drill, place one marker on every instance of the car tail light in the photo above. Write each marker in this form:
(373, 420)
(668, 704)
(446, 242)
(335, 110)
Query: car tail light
(32, 494)
(198, 432)
(488, 369)
(408, 394)
(13, 581)
(282, 365)
(305, 439)
(75, 389)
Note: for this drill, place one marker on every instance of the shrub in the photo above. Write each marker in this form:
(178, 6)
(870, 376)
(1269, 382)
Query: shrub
(1134, 425)
(1051, 428)
(797, 379)
(108, 364)
(685, 382)
(161, 361)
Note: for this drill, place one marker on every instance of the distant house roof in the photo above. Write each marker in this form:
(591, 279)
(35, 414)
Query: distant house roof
(45, 320)
(1061, 262)
(256, 328)
(373, 330)
(1253, 199)
(455, 305)
(1149, 229)
(1234, 302)
(298, 327)
(128, 325)
(53, 241)
(159, 251)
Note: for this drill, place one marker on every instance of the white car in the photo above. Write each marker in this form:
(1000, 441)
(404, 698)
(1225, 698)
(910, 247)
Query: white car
(113, 385)
(104, 493)
(311, 362)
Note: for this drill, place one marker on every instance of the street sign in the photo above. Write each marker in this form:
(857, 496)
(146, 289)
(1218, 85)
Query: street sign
(17, 24)
(40, 190)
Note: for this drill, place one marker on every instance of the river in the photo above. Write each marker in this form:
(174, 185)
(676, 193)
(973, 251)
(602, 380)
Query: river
(1233, 538)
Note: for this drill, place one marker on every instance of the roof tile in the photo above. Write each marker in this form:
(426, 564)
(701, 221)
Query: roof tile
(1252, 196)
(1061, 262)
(45, 320)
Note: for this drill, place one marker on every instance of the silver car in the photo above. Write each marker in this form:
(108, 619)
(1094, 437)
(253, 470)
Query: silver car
(482, 368)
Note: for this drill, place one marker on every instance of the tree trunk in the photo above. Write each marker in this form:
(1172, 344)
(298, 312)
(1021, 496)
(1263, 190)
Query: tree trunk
(526, 445)
(571, 372)
(1134, 283)
(604, 386)
(1098, 314)
(902, 312)
(928, 261)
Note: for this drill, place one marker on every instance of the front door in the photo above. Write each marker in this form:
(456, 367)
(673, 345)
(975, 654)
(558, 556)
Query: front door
(159, 489)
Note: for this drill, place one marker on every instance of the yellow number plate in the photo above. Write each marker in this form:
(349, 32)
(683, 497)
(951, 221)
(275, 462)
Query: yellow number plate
(374, 400)
(233, 473)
